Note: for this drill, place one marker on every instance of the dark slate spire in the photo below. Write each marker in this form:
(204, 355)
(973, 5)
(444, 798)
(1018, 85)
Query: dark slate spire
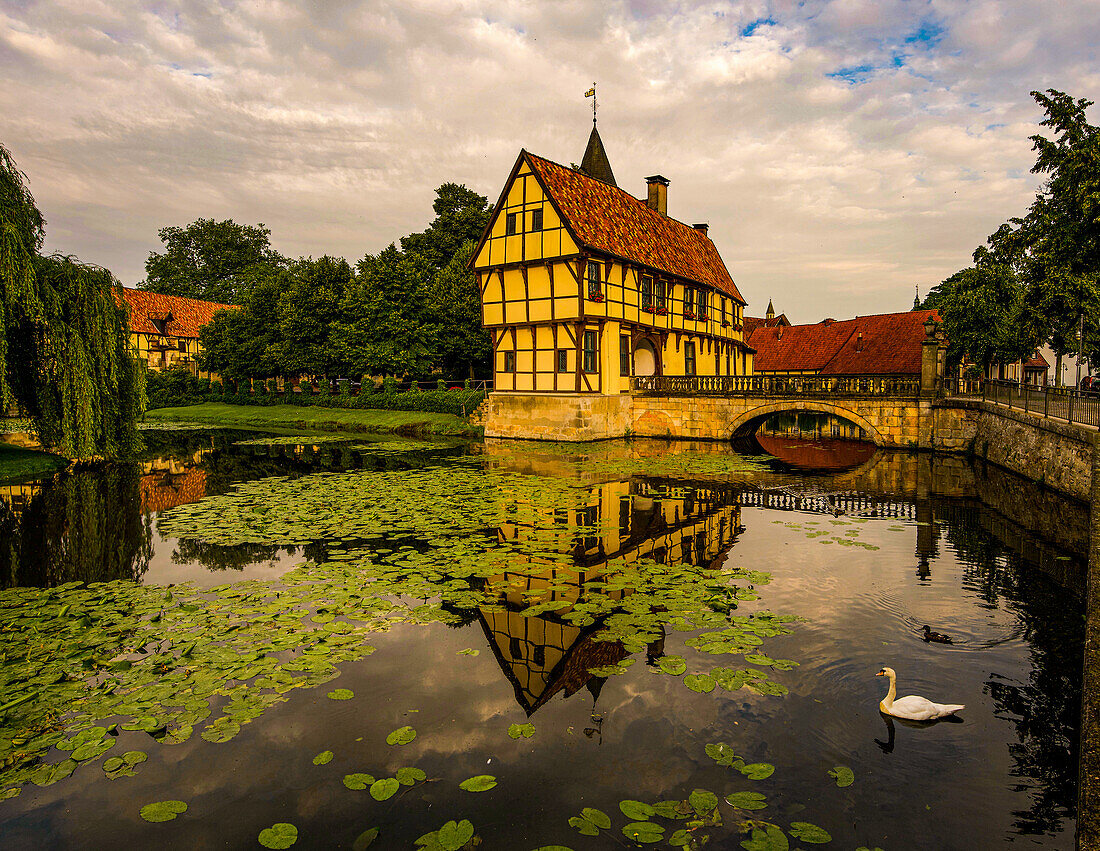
(595, 162)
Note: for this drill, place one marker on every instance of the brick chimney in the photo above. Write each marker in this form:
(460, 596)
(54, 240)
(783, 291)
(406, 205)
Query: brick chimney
(859, 342)
(701, 227)
(657, 197)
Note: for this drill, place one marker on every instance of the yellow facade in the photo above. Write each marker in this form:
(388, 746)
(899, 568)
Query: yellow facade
(566, 318)
(161, 352)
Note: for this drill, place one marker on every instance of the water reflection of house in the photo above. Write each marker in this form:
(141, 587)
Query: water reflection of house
(18, 496)
(630, 520)
(168, 482)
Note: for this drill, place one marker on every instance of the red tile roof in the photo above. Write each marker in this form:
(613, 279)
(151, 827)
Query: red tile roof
(188, 314)
(754, 322)
(1037, 362)
(606, 218)
(886, 344)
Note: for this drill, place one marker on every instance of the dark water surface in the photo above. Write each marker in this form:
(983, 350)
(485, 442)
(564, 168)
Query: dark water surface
(532, 555)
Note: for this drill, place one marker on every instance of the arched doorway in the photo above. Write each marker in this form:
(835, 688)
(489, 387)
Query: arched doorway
(645, 359)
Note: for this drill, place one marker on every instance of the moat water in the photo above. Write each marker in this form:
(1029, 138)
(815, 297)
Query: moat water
(268, 632)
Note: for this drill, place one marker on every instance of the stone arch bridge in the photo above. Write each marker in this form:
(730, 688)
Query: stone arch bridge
(892, 411)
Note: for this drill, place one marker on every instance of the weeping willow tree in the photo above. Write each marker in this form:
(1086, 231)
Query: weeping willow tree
(65, 358)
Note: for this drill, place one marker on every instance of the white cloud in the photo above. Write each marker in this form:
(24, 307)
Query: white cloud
(842, 151)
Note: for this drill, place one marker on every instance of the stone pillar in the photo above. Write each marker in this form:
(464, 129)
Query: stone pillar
(1088, 772)
(929, 367)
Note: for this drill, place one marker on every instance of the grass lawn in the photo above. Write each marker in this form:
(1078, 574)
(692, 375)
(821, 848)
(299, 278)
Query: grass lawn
(314, 418)
(17, 464)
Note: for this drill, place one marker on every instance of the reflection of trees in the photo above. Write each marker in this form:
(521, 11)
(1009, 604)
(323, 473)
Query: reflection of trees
(87, 526)
(1045, 709)
(218, 557)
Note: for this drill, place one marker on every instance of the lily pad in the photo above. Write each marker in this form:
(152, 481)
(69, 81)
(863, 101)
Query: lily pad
(478, 783)
(674, 665)
(516, 731)
(341, 694)
(637, 810)
(323, 758)
(810, 833)
(758, 770)
(703, 683)
(702, 801)
(401, 736)
(453, 835)
(279, 835)
(363, 840)
(410, 776)
(597, 817)
(384, 789)
(358, 781)
(645, 832)
(163, 810)
(843, 775)
(747, 800)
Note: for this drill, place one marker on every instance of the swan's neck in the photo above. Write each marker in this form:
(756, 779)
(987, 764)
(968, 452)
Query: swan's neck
(890, 695)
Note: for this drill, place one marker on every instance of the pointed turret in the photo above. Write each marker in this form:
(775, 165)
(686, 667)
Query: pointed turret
(916, 298)
(770, 315)
(595, 163)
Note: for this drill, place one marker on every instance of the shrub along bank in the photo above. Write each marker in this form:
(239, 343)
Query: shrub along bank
(177, 388)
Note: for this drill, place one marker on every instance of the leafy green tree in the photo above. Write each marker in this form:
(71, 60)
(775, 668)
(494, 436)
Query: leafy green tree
(246, 343)
(460, 215)
(980, 307)
(212, 261)
(1055, 247)
(462, 346)
(387, 327)
(74, 373)
(310, 307)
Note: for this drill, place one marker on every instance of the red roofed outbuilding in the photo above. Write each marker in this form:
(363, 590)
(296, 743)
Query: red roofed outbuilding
(884, 344)
(164, 329)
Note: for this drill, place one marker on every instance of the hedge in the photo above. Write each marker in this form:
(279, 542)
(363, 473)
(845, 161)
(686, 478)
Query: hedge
(177, 387)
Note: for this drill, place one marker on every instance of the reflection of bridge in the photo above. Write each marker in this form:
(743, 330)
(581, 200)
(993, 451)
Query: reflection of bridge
(857, 504)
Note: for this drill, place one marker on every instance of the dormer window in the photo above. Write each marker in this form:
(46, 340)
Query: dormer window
(510, 223)
(536, 220)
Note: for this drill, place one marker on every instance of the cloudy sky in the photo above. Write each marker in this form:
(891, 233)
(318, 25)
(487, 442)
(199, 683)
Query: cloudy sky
(843, 151)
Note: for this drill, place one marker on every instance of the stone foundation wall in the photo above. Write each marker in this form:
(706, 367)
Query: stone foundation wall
(557, 416)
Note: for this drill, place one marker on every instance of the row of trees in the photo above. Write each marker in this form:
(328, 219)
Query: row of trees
(412, 310)
(1039, 274)
(65, 355)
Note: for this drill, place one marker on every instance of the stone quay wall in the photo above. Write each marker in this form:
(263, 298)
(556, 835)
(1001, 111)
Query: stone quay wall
(1049, 451)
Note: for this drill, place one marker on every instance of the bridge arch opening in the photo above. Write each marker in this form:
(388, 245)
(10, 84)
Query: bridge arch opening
(807, 436)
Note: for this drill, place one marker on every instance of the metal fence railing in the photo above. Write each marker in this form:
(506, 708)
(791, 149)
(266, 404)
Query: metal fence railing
(1064, 403)
(784, 386)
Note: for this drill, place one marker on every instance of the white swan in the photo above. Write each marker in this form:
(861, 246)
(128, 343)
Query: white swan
(912, 707)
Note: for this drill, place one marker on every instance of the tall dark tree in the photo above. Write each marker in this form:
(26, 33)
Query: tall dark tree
(246, 343)
(212, 261)
(310, 306)
(74, 373)
(980, 308)
(460, 215)
(386, 327)
(1055, 247)
(462, 348)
